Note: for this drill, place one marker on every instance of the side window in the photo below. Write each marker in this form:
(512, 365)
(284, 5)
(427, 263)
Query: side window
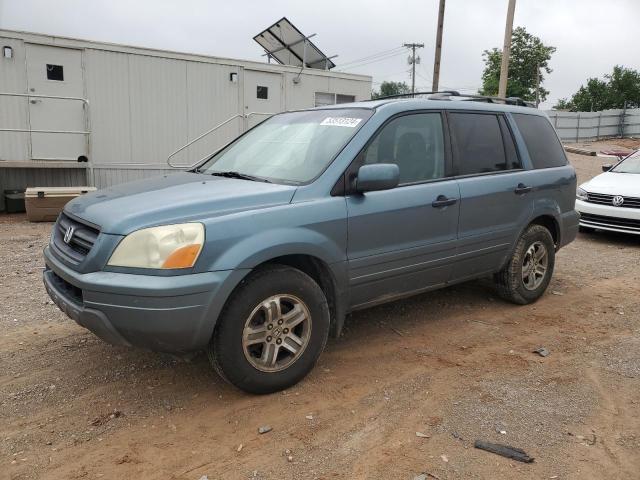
(513, 161)
(415, 143)
(477, 141)
(541, 140)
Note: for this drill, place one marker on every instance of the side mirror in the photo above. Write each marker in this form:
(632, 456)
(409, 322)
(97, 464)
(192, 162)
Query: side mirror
(607, 167)
(378, 176)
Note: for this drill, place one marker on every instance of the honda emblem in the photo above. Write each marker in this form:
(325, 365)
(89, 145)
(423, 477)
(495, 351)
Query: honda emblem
(68, 235)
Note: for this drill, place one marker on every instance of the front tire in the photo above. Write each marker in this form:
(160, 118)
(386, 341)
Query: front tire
(272, 330)
(527, 275)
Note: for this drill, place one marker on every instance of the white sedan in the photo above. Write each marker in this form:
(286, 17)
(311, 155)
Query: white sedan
(611, 201)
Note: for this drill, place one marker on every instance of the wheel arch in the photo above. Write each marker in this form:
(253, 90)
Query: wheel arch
(322, 274)
(547, 220)
(320, 271)
(550, 222)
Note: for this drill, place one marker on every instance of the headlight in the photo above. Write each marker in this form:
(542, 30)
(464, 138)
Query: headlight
(168, 246)
(581, 194)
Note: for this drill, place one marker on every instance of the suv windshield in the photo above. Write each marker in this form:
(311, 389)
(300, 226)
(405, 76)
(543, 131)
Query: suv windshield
(630, 165)
(292, 147)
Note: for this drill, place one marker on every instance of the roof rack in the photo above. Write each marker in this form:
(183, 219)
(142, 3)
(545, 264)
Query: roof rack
(447, 94)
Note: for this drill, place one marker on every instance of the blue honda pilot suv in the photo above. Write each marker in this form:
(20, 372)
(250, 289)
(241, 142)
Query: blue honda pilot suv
(258, 253)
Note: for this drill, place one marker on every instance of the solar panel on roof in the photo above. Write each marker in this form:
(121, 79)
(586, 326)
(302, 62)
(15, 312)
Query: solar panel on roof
(287, 45)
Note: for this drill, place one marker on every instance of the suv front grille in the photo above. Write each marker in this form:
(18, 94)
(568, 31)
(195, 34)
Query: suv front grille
(80, 243)
(602, 199)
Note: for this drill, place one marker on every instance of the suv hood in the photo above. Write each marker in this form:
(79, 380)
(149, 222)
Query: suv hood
(613, 183)
(174, 198)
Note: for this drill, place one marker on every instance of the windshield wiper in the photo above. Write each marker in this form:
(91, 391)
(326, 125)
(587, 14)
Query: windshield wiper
(242, 176)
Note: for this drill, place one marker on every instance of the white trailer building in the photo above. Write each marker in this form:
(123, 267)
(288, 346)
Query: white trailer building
(76, 112)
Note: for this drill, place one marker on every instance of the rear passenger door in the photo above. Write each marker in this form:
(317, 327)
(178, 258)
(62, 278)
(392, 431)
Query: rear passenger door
(403, 240)
(495, 200)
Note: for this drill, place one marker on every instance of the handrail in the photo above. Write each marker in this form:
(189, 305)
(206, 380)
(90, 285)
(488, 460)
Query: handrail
(191, 142)
(55, 97)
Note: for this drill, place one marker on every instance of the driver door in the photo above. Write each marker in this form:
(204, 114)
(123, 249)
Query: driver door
(403, 240)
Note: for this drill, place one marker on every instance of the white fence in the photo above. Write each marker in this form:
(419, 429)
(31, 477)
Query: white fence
(590, 126)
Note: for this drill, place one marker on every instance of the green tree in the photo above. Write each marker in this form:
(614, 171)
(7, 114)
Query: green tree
(620, 86)
(528, 56)
(391, 88)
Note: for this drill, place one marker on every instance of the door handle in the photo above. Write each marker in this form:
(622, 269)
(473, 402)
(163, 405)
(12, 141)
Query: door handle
(443, 201)
(33, 102)
(522, 189)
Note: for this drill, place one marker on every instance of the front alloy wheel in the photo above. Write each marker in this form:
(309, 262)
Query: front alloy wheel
(271, 331)
(276, 333)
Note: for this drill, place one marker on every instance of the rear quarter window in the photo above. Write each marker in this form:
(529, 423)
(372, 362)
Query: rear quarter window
(545, 150)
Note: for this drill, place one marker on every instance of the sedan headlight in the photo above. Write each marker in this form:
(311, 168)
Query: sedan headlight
(168, 246)
(581, 194)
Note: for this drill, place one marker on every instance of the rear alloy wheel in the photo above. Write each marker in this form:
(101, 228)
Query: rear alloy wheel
(527, 274)
(534, 265)
(272, 330)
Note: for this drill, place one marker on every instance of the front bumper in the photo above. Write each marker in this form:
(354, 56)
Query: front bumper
(163, 313)
(608, 217)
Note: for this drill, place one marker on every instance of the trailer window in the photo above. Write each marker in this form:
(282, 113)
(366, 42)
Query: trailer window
(263, 92)
(325, 98)
(345, 98)
(55, 72)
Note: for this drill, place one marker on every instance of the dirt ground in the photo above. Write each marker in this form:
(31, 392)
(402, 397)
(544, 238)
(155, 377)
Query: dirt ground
(455, 365)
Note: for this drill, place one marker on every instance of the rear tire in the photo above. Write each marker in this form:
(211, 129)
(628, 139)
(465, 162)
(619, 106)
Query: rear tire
(527, 275)
(272, 330)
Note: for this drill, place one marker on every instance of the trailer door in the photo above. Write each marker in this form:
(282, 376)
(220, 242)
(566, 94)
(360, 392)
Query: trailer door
(56, 71)
(262, 94)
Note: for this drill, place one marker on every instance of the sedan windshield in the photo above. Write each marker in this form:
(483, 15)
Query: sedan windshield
(292, 147)
(629, 165)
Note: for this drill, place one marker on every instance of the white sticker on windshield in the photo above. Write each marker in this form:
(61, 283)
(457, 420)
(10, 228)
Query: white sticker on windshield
(341, 122)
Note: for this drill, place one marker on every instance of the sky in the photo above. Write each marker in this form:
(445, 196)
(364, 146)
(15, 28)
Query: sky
(591, 36)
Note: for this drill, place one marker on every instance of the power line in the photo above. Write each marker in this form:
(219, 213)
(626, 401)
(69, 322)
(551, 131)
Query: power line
(379, 59)
(358, 60)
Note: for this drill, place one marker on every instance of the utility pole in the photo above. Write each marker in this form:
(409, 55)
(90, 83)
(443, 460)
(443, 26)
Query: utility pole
(436, 62)
(413, 60)
(537, 84)
(506, 50)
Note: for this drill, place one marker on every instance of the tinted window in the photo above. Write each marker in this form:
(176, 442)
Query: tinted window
(477, 141)
(542, 142)
(413, 142)
(513, 161)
